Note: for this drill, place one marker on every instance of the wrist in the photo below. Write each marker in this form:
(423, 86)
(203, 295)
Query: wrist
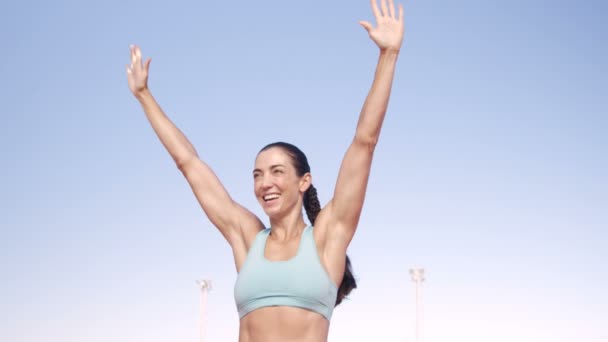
(389, 52)
(142, 94)
(389, 55)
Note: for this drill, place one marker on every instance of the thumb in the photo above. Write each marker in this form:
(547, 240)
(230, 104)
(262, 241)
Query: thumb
(366, 25)
(147, 64)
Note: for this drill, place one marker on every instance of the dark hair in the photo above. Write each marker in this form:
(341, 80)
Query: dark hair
(313, 207)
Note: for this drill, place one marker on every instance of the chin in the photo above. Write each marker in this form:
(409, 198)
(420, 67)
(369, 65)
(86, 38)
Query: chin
(269, 211)
(273, 212)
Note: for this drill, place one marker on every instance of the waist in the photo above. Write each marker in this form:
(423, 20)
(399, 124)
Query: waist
(283, 324)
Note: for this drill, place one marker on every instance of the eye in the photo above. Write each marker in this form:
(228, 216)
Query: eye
(277, 171)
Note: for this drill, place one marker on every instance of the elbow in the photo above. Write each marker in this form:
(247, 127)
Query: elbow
(368, 141)
(184, 164)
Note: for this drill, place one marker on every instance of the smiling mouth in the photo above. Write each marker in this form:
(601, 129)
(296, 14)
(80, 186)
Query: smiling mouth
(270, 197)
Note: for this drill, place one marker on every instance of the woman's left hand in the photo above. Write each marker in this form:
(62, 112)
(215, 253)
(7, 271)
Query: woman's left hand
(388, 33)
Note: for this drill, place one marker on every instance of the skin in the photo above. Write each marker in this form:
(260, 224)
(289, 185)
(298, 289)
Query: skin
(275, 174)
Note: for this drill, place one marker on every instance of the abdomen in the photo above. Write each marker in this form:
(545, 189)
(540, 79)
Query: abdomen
(283, 324)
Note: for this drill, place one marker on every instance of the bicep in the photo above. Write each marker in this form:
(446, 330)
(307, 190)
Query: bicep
(345, 207)
(231, 219)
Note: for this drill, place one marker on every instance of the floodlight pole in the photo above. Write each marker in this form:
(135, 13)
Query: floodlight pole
(205, 287)
(417, 275)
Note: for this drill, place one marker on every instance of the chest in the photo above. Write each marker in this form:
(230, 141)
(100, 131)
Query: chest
(281, 251)
(284, 274)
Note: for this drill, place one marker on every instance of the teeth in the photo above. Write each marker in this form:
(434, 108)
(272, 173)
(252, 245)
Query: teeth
(270, 197)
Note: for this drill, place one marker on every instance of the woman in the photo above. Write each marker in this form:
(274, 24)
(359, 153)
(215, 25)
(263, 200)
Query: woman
(290, 276)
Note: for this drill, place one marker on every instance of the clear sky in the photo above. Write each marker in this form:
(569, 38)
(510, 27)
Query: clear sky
(491, 172)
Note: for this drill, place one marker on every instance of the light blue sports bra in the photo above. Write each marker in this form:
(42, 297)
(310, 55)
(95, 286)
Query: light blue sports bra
(299, 282)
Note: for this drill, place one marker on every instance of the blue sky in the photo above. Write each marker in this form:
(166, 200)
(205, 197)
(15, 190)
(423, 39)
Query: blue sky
(490, 172)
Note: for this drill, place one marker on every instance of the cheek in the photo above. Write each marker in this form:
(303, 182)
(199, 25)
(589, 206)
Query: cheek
(256, 185)
(282, 182)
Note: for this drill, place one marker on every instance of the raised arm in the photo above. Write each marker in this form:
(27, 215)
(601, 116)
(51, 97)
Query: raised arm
(229, 217)
(344, 210)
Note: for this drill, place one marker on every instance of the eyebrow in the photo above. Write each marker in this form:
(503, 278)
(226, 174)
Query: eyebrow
(271, 167)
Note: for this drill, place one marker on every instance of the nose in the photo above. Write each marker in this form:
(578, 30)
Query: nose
(266, 181)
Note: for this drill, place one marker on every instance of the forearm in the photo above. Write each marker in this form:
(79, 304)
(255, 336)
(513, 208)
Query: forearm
(376, 103)
(176, 143)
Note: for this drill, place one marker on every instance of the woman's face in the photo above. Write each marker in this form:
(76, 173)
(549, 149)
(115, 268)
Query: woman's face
(277, 187)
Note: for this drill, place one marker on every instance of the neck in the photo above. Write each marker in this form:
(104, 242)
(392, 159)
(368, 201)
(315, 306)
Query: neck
(287, 228)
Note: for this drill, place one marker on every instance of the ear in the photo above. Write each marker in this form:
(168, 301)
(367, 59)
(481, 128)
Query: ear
(305, 182)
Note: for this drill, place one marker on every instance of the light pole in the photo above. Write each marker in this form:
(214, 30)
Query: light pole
(417, 275)
(205, 286)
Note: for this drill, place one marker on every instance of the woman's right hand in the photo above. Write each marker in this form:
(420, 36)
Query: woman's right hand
(137, 72)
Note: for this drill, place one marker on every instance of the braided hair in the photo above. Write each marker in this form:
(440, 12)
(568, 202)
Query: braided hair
(313, 207)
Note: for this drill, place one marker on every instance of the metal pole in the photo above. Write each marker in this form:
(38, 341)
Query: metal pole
(417, 275)
(417, 311)
(205, 286)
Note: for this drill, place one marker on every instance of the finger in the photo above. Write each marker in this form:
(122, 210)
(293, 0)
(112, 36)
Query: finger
(138, 54)
(401, 13)
(375, 9)
(132, 49)
(366, 25)
(136, 59)
(391, 8)
(384, 8)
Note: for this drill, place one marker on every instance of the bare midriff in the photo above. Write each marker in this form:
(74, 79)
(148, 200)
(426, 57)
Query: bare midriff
(283, 324)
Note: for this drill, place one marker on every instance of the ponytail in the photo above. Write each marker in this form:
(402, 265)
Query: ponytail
(313, 207)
